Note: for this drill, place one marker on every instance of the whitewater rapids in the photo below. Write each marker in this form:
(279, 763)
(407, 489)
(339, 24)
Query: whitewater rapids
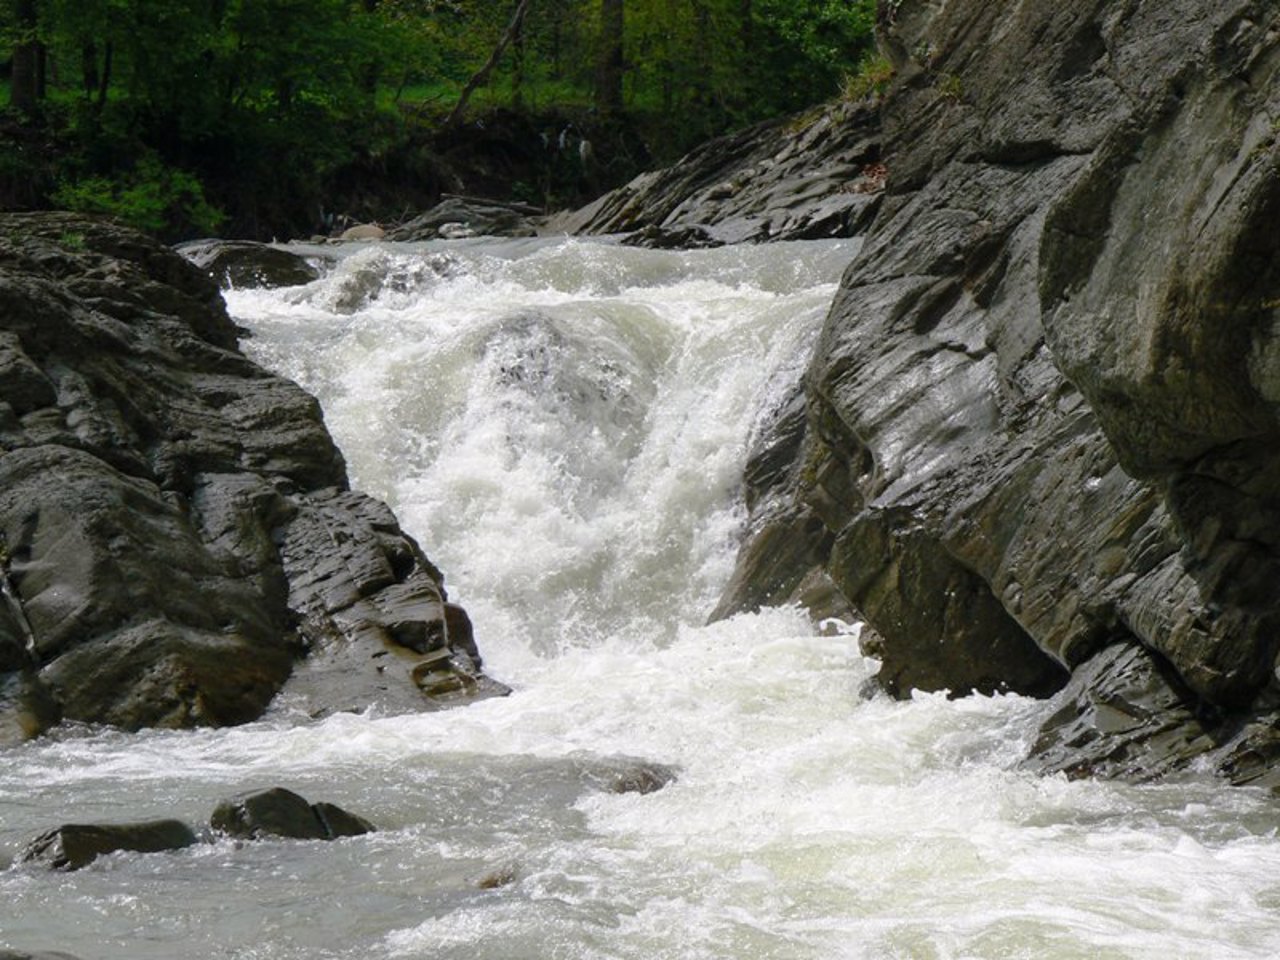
(562, 425)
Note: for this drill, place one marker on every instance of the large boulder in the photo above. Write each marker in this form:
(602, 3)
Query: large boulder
(1040, 423)
(246, 263)
(277, 812)
(810, 177)
(176, 528)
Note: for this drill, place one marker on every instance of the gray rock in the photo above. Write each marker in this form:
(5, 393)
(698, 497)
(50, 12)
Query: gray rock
(1041, 420)
(278, 812)
(73, 845)
(38, 955)
(245, 263)
(175, 524)
(812, 177)
(457, 217)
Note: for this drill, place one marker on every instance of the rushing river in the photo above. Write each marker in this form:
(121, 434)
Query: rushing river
(562, 425)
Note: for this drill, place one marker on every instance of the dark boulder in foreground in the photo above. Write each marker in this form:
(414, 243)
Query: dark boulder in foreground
(73, 846)
(176, 528)
(278, 812)
(1041, 428)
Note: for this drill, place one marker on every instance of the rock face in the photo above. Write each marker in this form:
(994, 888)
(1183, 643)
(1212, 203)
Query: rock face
(815, 177)
(1039, 432)
(175, 524)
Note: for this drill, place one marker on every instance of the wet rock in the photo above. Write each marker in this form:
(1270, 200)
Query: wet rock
(244, 263)
(1040, 420)
(1125, 714)
(278, 812)
(175, 524)
(500, 876)
(624, 774)
(812, 177)
(457, 217)
(73, 846)
(38, 955)
(672, 238)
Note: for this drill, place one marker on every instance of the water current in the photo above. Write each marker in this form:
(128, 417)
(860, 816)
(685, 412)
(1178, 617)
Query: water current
(562, 425)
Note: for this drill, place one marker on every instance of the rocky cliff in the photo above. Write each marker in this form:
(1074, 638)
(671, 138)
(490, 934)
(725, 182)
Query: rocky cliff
(1037, 444)
(176, 530)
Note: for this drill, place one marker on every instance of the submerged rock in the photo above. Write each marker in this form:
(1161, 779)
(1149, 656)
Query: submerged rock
(38, 955)
(278, 812)
(73, 846)
(624, 774)
(176, 529)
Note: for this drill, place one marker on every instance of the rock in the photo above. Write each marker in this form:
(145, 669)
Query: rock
(458, 217)
(672, 238)
(39, 955)
(502, 875)
(624, 774)
(278, 812)
(813, 177)
(176, 528)
(1029, 441)
(73, 846)
(363, 231)
(244, 263)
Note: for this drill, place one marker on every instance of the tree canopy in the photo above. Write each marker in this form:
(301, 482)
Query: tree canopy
(164, 109)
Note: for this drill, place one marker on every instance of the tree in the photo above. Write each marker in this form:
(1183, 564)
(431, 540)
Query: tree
(27, 81)
(610, 62)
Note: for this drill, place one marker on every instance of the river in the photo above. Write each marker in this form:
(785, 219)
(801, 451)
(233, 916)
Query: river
(562, 425)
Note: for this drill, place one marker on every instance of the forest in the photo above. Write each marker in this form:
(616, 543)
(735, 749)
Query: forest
(268, 118)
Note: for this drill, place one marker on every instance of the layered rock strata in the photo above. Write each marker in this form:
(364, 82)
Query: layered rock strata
(176, 529)
(1039, 432)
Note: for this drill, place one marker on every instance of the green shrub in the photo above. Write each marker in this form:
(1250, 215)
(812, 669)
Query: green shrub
(154, 197)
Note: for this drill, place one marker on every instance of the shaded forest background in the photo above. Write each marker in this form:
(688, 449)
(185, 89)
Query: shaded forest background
(262, 118)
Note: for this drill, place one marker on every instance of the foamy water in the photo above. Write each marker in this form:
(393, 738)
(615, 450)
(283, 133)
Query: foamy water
(562, 425)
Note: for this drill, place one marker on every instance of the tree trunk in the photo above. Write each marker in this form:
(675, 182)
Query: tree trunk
(609, 67)
(27, 78)
(482, 75)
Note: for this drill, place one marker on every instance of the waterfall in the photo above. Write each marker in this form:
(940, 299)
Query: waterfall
(562, 425)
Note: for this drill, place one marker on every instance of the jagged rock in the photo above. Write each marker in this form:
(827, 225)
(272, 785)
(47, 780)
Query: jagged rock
(278, 812)
(1041, 419)
(175, 524)
(244, 263)
(810, 178)
(74, 845)
(672, 238)
(456, 217)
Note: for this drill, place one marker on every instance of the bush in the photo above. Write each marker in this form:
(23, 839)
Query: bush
(153, 197)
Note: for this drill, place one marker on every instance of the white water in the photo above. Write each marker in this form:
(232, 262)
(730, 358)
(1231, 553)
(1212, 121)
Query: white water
(562, 425)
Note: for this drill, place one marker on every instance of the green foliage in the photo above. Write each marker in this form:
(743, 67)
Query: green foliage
(161, 106)
(151, 197)
(871, 79)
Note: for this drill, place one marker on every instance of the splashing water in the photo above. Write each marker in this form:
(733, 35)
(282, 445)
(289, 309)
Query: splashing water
(562, 424)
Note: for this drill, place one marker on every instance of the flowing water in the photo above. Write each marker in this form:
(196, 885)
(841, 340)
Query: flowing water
(562, 425)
